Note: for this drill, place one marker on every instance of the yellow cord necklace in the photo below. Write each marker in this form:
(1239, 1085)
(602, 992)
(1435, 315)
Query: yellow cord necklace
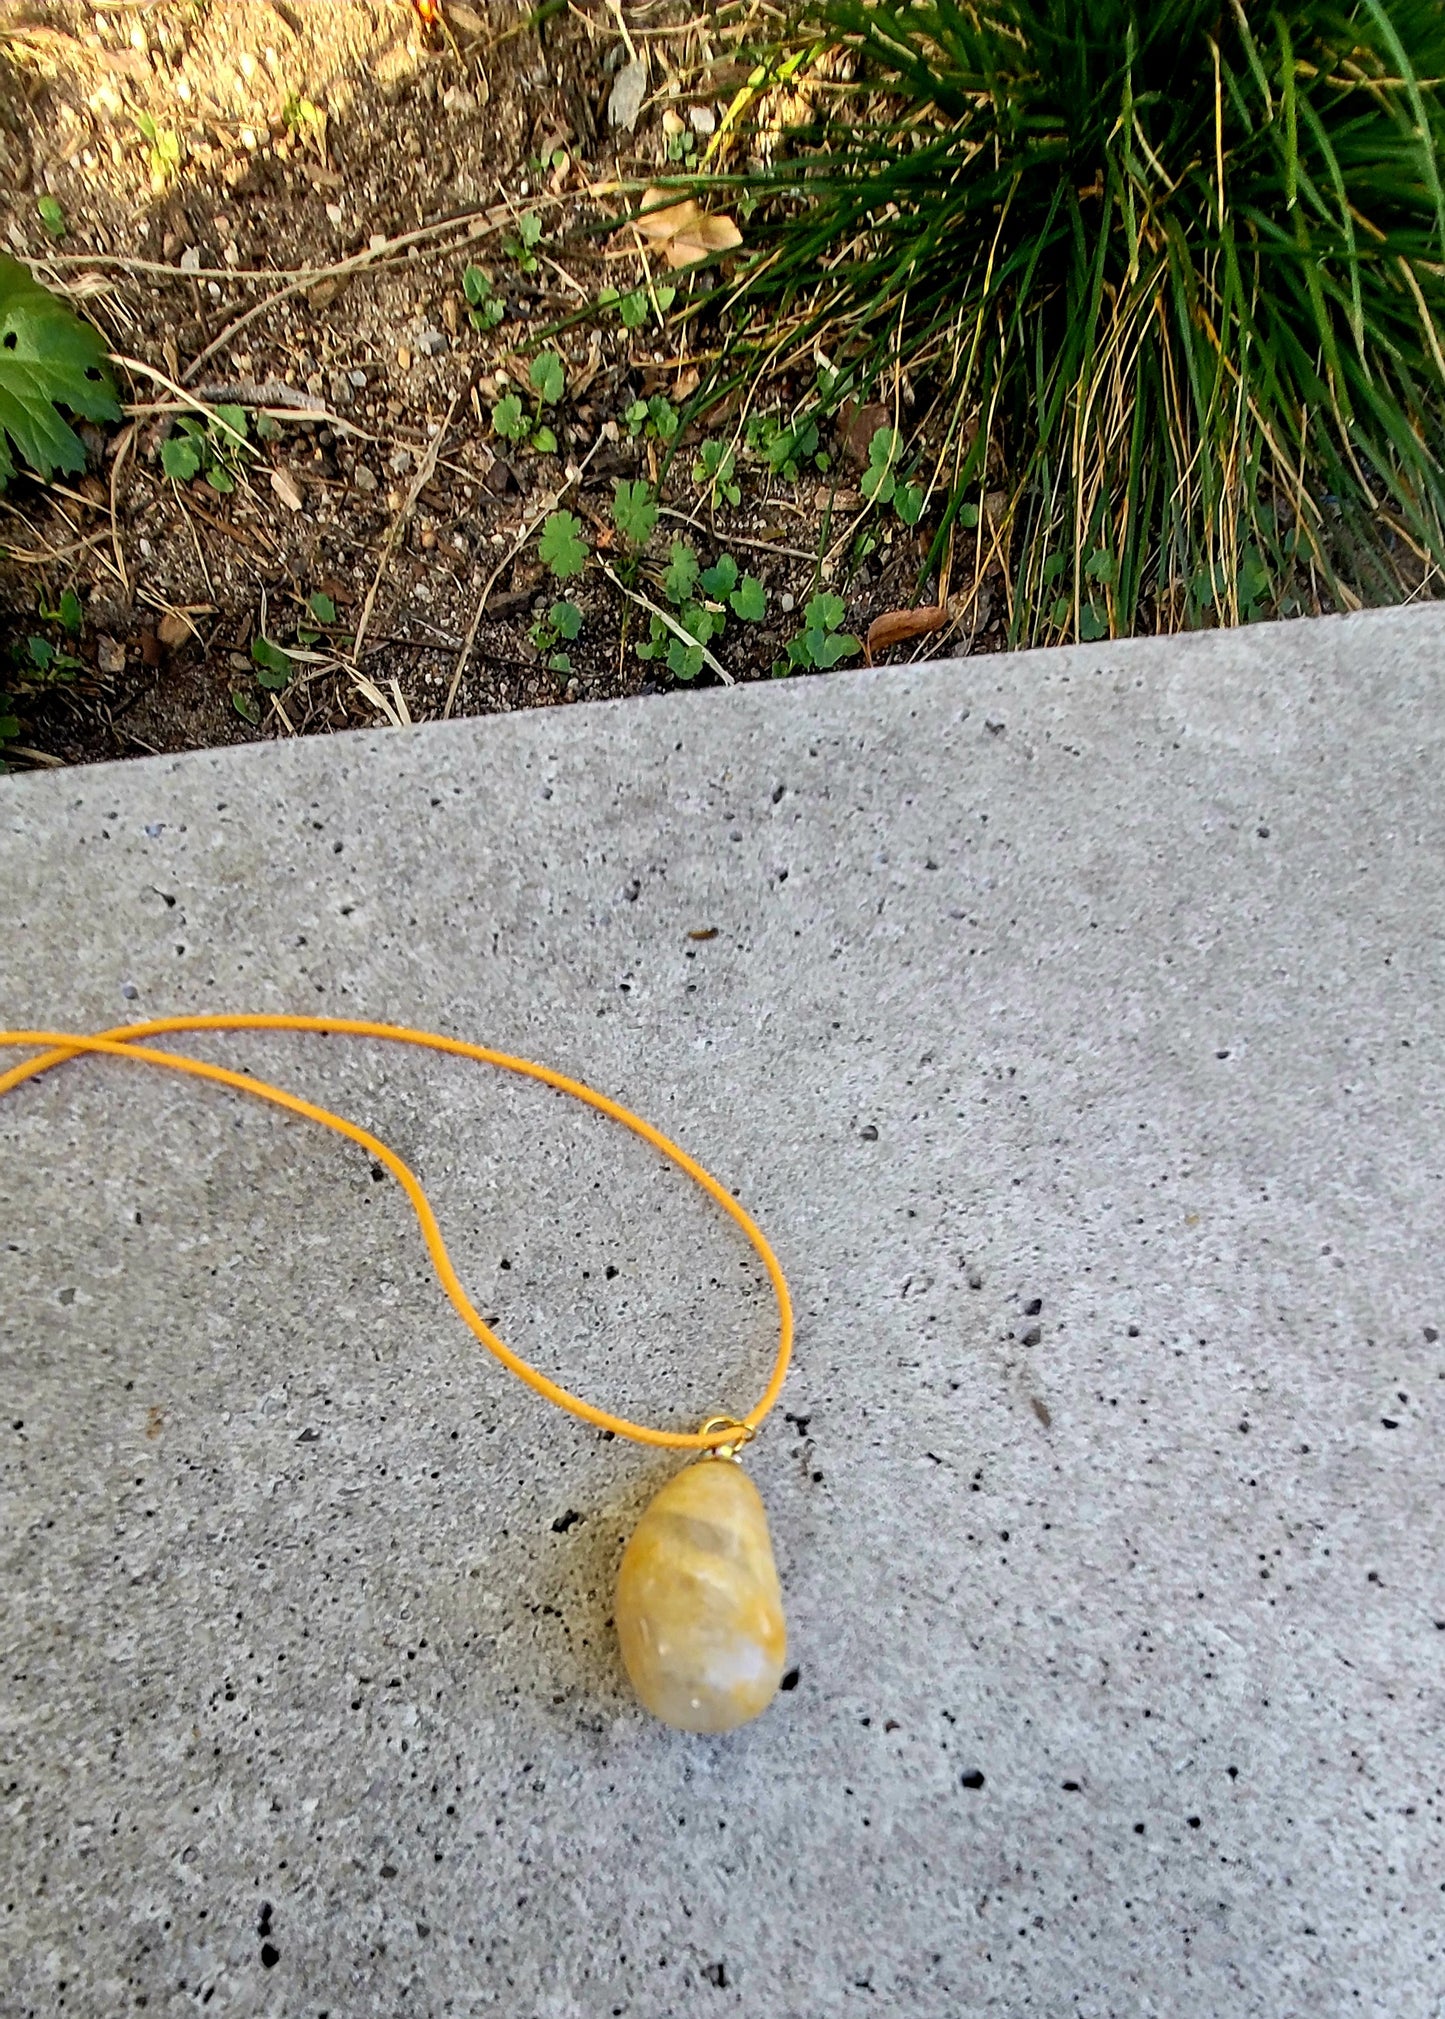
(698, 1609)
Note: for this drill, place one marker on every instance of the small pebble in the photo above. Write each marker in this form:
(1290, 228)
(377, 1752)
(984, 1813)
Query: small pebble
(403, 357)
(788, 601)
(431, 343)
(364, 481)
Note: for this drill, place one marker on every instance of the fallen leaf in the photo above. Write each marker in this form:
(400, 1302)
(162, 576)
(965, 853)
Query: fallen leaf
(669, 375)
(586, 373)
(465, 18)
(287, 490)
(109, 654)
(860, 425)
(629, 88)
(896, 626)
(683, 233)
(704, 932)
(173, 630)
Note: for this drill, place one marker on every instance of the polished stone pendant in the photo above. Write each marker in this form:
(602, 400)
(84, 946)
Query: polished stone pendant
(699, 1612)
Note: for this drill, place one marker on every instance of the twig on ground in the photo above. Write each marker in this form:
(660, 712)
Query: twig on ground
(573, 476)
(425, 471)
(192, 402)
(735, 539)
(678, 630)
(124, 443)
(41, 557)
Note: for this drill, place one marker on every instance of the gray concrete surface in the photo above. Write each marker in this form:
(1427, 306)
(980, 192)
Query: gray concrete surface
(1110, 978)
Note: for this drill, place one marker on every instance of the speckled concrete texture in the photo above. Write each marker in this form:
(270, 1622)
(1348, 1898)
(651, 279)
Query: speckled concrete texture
(1073, 1022)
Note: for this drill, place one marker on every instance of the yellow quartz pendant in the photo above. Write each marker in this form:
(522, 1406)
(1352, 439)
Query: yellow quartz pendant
(699, 1612)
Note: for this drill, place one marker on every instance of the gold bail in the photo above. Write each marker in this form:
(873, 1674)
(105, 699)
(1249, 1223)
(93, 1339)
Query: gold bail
(732, 1447)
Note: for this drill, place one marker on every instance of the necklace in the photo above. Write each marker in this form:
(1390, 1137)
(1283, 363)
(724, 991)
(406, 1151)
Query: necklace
(698, 1609)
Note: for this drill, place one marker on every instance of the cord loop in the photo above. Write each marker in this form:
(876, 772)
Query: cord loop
(59, 1048)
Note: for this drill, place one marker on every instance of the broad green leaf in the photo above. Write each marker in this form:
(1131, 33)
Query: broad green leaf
(228, 425)
(633, 309)
(565, 619)
(273, 666)
(246, 706)
(181, 457)
(475, 286)
(750, 600)
(48, 357)
(828, 647)
(321, 607)
(681, 578)
(704, 624)
(563, 547)
(634, 510)
(69, 612)
(549, 377)
(908, 503)
(544, 442)
(721, 578)
(508, 419)
(825, 612)
(686, 661)
(52, 217)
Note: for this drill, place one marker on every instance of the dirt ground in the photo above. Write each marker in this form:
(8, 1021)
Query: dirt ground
(189, 173)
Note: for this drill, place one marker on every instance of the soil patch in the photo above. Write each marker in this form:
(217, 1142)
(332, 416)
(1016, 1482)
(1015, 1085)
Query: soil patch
(204, 168)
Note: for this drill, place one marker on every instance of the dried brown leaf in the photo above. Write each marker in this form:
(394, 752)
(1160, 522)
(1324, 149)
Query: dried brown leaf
(683, 233)
(895, 627)
(287, 490)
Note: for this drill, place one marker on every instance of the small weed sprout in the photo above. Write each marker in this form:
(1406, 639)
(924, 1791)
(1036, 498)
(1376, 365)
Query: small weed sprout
(485, 308)
(562, 622)
(209, 448)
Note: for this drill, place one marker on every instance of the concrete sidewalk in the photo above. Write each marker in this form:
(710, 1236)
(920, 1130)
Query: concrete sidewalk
(1073, 1024)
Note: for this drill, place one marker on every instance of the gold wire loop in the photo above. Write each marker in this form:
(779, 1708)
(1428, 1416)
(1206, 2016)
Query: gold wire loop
(738, 1435)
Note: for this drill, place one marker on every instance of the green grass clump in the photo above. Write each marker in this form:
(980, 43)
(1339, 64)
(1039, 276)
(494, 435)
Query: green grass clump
(1164, 280)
